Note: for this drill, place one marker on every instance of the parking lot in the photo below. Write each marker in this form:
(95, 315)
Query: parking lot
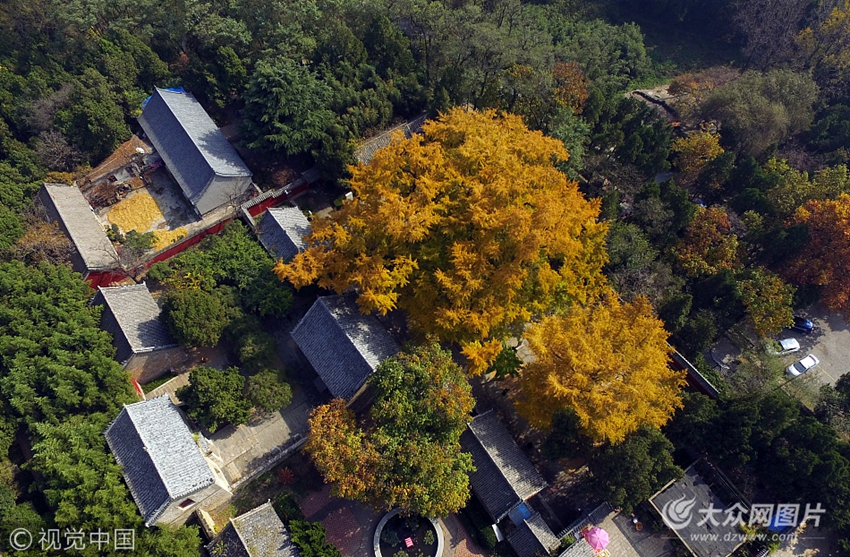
(829, 342)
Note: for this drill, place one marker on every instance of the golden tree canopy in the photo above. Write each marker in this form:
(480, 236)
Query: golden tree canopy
(694, 152)
(469, 228)
(608, 362)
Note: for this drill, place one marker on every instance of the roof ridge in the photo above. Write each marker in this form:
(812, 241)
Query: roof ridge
(357, 314)
(136, 313)
(239, 534)
(247, 514)
(193, 139)
(192, 196)
(487, 451)
(137, 496)
(172, 408)
(120, 316)
(86, 252)
(337, 323)
(253, 511)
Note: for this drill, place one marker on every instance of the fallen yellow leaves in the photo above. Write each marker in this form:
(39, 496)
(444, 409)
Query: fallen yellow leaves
(165, 238)
(139, 212)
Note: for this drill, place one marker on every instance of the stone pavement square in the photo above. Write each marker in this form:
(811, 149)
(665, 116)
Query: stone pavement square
(351, 526)
(315, 502)
(345, 532)
(628, 542)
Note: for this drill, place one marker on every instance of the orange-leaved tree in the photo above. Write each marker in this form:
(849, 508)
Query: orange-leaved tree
(709, 246)
(339, 450)
(607, 361)
(469, 228)
(570, 86)
(825, 261)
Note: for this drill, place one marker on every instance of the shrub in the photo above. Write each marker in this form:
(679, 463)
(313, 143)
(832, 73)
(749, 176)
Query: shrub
(390, 537)
(310, 539)
(429, 537)
(195, 317)
(160, 271)
(488, 537)
(285, 476)
(139, 243)
(214, 397)
(267, 392)
(286, 508)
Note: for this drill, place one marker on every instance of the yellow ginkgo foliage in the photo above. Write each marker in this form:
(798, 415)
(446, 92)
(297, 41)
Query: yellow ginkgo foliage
(469, 228)
(607, 361)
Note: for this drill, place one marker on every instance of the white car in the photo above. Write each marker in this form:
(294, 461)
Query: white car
(803, 365)
(786, 346)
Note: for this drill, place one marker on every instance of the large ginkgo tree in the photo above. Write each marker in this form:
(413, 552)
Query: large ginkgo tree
(468, 227)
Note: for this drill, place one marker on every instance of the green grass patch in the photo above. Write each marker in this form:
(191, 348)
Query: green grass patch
(158, 382)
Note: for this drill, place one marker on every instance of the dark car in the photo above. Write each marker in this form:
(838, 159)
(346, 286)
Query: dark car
(802, 325)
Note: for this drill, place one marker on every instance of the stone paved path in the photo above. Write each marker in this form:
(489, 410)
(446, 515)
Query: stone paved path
(458, 541)
(350, 526)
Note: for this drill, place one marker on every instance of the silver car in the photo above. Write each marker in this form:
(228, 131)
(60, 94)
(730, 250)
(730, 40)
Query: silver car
(786, 346)
(803, 365)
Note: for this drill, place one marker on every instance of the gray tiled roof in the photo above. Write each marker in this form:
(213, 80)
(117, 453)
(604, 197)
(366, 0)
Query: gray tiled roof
(159, 456)
(257, 533)
(365, 152)
(132, 316)
(703, 538)
(579, 549)
(282, 230)
(504, 477)
(189, 142)
(533, 537)
(81, 225)
(343, 345)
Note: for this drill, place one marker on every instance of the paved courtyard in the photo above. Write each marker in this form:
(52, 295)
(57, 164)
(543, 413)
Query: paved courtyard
(245, 450)
(626, 541)
(351, 526)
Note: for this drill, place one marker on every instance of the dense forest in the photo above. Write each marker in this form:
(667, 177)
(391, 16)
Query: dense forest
(726, 199)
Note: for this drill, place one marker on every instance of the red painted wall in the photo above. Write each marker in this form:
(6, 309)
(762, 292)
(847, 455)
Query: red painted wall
(106, 278)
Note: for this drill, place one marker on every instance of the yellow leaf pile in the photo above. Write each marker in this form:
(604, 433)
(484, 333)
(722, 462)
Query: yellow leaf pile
(165, 238)
(138, 212)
